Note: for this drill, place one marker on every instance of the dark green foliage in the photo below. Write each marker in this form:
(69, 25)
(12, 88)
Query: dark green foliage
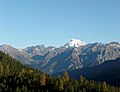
(109, 71)
(15, 77)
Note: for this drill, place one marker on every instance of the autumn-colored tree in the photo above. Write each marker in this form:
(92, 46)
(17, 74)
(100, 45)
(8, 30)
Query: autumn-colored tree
(24, 79)
(65, 76)
(60, 85)
(81, 79)
(30, 71)
(42, 80)
(104, 87)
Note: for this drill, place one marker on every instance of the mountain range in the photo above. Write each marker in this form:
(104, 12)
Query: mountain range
(16, 77)
(75, 54)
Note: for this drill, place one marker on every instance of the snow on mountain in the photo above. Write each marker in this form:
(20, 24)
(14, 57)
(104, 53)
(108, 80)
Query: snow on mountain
(53, 60)
(74, 43)
(114, 44)
(19, 49)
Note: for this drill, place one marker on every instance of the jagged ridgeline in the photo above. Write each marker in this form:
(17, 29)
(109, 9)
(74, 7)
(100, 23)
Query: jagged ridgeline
(15, 77)
(75, 54)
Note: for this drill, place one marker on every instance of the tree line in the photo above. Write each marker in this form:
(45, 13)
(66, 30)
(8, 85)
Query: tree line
(15, 77)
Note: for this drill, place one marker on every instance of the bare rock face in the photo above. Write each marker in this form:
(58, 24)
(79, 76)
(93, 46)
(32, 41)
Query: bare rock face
(88, 55)
(15, 53)
(73, 55)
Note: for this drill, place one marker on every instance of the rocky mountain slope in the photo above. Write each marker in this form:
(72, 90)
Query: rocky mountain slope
(109, 71)
(74, 54)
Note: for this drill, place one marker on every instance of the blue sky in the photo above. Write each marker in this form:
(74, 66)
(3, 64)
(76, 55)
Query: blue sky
(54, 22)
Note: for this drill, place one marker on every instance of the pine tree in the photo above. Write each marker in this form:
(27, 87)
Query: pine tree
(17, 89)
(1, 69)
(84, 90)
(7, 70)
(24, 89)
(98, 87)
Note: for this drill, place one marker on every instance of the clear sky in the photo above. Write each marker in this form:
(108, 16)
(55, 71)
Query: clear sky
(54, 22)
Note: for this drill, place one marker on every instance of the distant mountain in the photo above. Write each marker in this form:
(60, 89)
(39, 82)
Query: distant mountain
(15, 53)
(88, 55)
(29, 55)
(109, 71)
(73, 55)
(37, 50)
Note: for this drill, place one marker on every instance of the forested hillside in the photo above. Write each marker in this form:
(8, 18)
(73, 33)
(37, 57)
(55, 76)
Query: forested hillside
(15, 77)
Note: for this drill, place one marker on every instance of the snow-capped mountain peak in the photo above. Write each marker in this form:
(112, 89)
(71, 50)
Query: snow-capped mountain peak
(74, 43)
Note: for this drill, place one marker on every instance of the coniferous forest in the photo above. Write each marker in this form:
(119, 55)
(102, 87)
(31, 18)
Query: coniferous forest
(15, 77)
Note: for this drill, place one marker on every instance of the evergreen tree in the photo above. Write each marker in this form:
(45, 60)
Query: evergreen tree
(98, 87)
(23, 79)
(84, 90)
(17, 89)
(1, 69)
(24, 89)
(7, 70)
